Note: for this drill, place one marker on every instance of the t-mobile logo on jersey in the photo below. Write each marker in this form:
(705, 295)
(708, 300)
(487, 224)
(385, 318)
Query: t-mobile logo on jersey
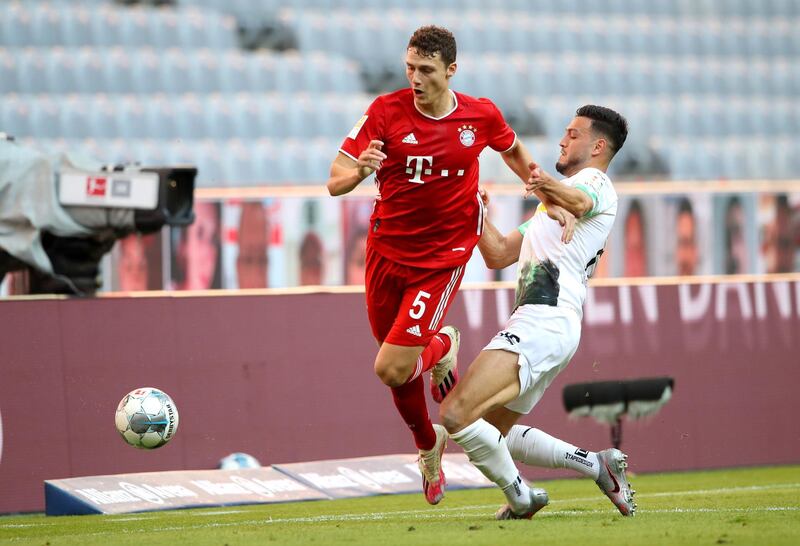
(418, 169)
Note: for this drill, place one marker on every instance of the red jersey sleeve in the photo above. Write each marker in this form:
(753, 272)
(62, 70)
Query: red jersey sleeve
(369, 127)
(503, 136)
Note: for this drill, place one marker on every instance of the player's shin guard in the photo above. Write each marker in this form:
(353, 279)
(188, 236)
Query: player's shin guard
(536, 448)
(487, 450)
(409, 399)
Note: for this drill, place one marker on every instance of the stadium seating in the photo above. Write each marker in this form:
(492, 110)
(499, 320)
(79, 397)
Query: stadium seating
(700, 81)
(385, 33)
(189, 116)
(147, 70)
(672, 8)
(70, 25)
(221, 162)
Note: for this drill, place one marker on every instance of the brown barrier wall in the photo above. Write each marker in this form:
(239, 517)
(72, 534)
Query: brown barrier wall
(289, 378)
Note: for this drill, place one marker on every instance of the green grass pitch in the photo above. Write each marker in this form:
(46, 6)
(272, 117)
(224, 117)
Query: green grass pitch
(758, 506)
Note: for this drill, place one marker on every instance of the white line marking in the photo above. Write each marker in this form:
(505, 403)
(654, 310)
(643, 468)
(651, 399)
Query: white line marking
(217, 512)
(454, 512)
(720, 491)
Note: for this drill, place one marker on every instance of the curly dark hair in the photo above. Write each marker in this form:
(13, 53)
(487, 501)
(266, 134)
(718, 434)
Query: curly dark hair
(429, 40)
(607, 122)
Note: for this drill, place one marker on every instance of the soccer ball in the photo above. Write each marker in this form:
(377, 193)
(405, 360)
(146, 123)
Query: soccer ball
(238, 460)
(146, 418)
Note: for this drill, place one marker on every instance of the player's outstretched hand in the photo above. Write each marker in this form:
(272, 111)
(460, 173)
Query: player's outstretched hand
(371, 159)
(565, 218)
(538, 180)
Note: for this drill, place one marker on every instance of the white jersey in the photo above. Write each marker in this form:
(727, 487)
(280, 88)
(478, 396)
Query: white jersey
(553, 273)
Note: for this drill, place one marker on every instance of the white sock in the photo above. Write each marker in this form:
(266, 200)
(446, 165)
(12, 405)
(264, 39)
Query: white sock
(487, 450)
(532, 446)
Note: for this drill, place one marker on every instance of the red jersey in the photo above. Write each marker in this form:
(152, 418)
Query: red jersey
(428, 212)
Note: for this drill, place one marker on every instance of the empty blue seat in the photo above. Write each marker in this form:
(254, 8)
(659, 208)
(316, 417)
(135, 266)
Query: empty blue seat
(178, 72)
(47, 25)
(31, 74)
(60, 72)
(213, 167)
(189, 117)
(15, 117)
(16, 26)
(321, 154)
(106, 27)
(783, 158)
(264, 163)
(8, 72)
(73, 117)
(160, 118)
(233, 74)
(76, 118)
(77, 27)
(44, 120)
(146, 74)
(131, 112)
(219, 120)
(272, 117)
(116, 70)
(731, 163)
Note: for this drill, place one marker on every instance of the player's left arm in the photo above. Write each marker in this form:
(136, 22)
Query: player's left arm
(518, 159)
(575, 200)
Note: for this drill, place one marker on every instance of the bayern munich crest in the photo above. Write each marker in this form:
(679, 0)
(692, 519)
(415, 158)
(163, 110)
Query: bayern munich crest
(467, 135)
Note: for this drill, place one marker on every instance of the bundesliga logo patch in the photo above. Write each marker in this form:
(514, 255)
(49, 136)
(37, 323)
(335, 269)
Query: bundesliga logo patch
(467, 135)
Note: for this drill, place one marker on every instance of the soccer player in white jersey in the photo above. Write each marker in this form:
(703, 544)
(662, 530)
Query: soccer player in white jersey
(556, 257)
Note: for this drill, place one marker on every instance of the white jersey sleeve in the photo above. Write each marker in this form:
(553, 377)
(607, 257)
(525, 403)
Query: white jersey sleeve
(596, 185)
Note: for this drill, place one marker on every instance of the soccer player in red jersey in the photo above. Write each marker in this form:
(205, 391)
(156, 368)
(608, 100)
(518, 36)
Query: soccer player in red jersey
(423, 144)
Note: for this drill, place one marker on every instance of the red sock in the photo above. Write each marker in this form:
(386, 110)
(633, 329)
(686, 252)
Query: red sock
(410, 402)
(433, 353)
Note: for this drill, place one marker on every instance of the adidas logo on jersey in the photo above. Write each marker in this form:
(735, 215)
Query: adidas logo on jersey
(410, 139)
(414, 330)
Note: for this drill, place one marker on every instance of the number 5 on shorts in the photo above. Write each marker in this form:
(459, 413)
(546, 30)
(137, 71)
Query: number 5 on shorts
(418, 307)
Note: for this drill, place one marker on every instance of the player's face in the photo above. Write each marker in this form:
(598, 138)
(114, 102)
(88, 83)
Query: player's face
(686, 248)
(577, 146)
(635, 256)
(429, 79)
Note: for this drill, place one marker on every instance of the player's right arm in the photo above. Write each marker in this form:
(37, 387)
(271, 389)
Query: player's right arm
(498, 250)
(346, 174)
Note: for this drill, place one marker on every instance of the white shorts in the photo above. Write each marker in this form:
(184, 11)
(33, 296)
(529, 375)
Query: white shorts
(545, 338)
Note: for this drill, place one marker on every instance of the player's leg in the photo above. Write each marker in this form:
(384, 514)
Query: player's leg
(491, 381)
(417, 322)
(538, 342)
(537, 448)
(607, 468)
(412, 342)
(411, 346)
(397, 365)
(559, 336)
(399, 368)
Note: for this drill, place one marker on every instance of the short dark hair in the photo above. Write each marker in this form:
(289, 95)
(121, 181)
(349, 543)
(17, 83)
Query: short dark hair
(607, 122)
(685, 206)
(429, 40)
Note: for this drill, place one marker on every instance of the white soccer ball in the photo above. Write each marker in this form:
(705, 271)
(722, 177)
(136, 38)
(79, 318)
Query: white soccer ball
(237, 460)
(146, 418)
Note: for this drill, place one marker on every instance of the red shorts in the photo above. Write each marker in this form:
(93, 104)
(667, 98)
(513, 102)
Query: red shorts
(406, 305)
